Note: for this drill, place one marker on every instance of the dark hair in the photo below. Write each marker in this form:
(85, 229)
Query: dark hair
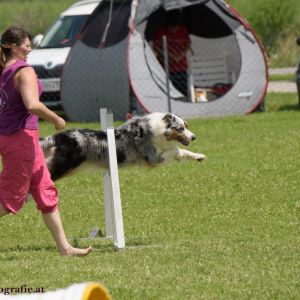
(12, 35)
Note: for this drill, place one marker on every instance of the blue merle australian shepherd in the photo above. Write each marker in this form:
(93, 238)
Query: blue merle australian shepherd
(149, 140)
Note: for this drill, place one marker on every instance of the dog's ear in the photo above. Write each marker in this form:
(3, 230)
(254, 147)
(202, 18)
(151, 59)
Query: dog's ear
(169, 119)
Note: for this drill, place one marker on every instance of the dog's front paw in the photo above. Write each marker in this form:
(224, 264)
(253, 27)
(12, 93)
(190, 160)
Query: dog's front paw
(199, 156)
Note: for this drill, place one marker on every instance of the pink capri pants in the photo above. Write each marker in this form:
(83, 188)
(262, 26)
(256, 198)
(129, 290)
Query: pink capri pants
(24, 170)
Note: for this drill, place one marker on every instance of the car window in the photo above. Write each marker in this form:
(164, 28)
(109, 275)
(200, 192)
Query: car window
(64, 32)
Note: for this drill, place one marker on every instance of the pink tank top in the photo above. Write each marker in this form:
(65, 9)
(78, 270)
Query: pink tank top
(13, 113)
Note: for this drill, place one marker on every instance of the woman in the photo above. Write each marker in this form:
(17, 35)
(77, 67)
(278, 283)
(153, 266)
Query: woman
(24, 167)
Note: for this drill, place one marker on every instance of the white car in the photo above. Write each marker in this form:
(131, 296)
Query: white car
(52, 49)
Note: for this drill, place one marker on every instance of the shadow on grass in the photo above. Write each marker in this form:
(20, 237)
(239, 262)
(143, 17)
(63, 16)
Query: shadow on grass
(20, 249)
(290, 107)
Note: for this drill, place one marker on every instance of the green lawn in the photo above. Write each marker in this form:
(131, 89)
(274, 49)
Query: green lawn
(282, 77)
(227, 228)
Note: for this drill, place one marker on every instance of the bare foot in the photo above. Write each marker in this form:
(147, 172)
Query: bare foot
(71, 251)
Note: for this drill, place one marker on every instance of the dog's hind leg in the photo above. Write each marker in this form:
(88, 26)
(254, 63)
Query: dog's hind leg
(152, 157)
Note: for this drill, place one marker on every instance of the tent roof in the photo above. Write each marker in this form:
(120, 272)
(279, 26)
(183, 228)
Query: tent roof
(204, 18)
(146, 7)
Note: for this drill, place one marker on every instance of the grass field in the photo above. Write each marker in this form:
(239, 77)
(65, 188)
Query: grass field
(227, 228)
(282, 77)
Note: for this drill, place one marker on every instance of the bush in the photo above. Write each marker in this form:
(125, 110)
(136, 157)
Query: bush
(272, 20)
(34, 15)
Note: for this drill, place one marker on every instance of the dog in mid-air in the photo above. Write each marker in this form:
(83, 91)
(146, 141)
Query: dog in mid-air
(149, 140)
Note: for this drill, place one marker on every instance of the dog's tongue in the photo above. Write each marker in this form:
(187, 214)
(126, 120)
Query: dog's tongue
(183, 141)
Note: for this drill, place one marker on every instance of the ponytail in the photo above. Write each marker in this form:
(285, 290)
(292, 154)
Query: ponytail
(2, 59)
(4, 54)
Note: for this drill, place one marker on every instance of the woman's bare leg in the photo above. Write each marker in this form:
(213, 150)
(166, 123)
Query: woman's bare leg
(54, 224)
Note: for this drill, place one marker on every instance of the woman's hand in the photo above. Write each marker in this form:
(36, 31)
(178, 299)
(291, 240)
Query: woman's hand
(60, 123)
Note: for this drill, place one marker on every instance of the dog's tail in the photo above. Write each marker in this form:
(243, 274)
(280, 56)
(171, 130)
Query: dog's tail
(47, 142)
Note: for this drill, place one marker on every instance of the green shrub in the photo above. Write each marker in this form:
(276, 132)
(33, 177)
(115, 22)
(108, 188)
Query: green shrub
(272, 20)
(34, 15)
(287, 52)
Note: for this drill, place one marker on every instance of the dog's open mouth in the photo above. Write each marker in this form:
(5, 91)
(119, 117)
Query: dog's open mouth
(184, 141)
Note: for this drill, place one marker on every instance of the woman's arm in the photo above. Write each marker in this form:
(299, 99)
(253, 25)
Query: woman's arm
(26, 83)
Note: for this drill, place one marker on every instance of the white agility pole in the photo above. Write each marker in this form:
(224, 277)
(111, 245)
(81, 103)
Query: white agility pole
(112, 195)
(104, 122)
(118, 227)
